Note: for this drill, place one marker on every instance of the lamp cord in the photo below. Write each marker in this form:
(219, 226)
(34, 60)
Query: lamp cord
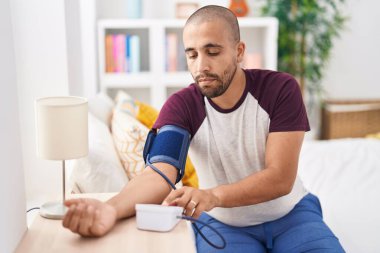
(33, 208)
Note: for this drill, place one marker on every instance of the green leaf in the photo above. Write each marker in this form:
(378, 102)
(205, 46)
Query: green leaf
(315, 23)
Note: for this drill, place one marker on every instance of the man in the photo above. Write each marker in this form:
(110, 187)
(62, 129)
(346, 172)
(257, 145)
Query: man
(246, 128)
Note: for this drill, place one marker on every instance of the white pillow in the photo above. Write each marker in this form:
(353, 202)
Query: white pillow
(101, 107)
(101, 170)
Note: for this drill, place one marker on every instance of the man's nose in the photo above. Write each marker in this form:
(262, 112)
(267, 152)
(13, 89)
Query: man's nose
(203, 64)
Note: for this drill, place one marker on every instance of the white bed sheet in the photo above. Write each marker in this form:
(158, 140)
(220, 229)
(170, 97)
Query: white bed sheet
(345, 175)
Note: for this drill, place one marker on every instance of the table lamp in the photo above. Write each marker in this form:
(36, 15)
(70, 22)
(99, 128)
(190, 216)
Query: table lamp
(62, 134)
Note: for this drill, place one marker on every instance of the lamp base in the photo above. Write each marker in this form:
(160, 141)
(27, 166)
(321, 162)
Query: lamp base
(53, 210)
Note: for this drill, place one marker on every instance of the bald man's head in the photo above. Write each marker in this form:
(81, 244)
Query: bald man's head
(211, 13)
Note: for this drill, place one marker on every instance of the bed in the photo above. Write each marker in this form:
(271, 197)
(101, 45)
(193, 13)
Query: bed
(345, 175)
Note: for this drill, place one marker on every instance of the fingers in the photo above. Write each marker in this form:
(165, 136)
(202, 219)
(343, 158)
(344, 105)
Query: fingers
(198, 211)
(86, 221)
(80, 218)
(170, 200)
(191, 207)
(70, 202)
(76, 216)
(186, 197)
(68, 216)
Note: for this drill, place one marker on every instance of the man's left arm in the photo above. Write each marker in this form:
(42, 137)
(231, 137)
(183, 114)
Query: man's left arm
(275, 180)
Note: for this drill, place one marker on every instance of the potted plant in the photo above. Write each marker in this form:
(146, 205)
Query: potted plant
(306, 32)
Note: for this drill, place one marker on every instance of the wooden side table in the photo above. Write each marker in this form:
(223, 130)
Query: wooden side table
(46, 235)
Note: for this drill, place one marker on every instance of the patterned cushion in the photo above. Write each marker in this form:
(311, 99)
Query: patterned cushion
(129, 137)
(124, 102)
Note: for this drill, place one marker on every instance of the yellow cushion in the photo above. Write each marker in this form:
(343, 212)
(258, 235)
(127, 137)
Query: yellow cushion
(190, 178)
(147, 115)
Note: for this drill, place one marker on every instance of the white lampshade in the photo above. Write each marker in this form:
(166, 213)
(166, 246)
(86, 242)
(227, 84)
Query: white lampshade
(62, 127)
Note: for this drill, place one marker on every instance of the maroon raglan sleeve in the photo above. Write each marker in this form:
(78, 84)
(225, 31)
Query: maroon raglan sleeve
(184, 109)
(287, 111)
(173, 113)
(279, 94)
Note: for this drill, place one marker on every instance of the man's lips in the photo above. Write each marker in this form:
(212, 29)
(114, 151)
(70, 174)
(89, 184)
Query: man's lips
(206, 80)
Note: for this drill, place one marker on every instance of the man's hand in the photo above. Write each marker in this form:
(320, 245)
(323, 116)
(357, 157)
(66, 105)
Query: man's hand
(194, 201)
(89, 217)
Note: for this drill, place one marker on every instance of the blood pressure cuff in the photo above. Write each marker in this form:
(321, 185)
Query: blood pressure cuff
(170, 145)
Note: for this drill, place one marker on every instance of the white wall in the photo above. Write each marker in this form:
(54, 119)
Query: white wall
(149, 8)
(41, 63)
(12, 190)
(74, 49)
(160, 9)
(354, 66)
(81, 47)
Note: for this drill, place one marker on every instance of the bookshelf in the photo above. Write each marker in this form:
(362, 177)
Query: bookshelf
(154, 80)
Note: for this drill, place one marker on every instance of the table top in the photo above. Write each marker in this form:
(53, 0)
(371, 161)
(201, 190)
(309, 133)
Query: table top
(47, 235)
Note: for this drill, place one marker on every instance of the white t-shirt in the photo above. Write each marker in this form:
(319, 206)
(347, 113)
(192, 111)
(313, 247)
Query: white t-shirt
(229, 145)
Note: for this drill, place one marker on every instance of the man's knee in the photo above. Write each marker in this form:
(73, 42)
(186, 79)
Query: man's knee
(309, 237)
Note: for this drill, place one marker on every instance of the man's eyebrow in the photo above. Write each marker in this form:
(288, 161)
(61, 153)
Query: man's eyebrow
(209, 45)
(212, 45)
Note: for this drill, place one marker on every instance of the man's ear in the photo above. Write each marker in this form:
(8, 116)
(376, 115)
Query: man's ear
(240, 50)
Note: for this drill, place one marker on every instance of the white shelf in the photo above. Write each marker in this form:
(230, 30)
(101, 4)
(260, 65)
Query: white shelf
(126, 79)
(154, 83)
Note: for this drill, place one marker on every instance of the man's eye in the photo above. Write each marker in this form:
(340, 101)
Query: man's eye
(191, 56)
(213, 53)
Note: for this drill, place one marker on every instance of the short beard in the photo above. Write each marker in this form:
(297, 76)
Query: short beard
(221, 86)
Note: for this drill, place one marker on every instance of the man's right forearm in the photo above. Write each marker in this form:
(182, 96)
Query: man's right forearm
(148, 188)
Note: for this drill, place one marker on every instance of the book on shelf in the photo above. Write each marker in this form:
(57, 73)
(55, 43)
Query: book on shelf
(122, 53)
(121, 59)
(109, 53)
(114, 52)
(127, 53)
(135, 54)
(175, 53)
(171, 52)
